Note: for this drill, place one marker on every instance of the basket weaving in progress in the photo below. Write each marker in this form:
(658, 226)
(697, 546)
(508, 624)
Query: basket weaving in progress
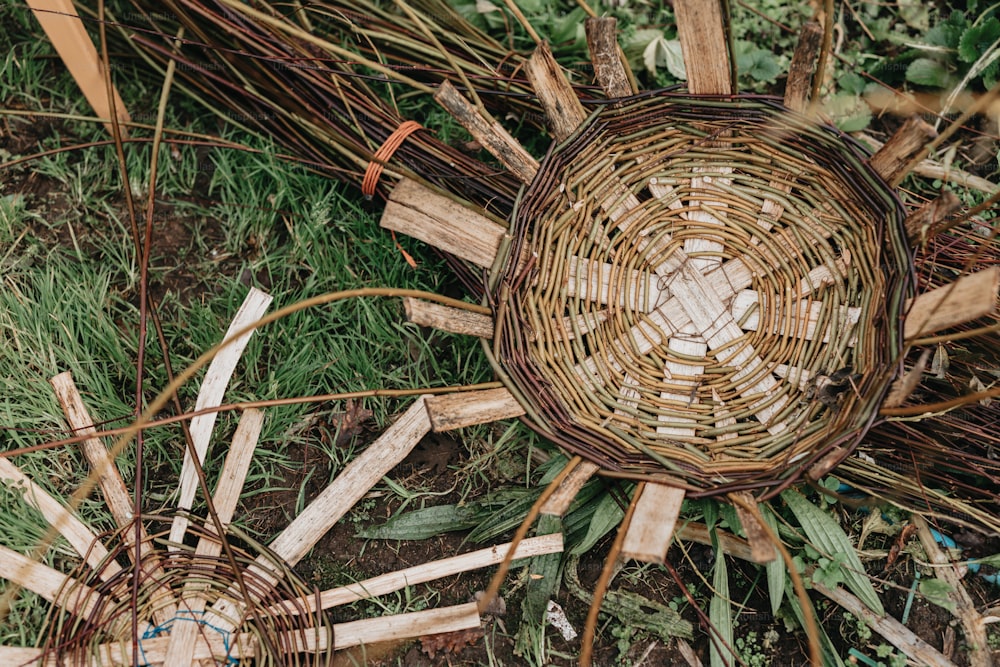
(705, 290)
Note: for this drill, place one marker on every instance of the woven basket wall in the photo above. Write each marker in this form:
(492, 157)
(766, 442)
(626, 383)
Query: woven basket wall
(704, 291)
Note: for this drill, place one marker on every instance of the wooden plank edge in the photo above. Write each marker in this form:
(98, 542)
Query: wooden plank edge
(447, 318)
(652, 527)
(467, 408)
(210, 394)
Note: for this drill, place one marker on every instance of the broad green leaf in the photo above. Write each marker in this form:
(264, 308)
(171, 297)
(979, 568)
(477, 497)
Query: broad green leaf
(978, 39)
(849, 112)
(948, 33)
(827, 536)
(775, 570)
(937, 591)
(720, 611)
(928, 72)
(661, 52)
(852, 83)
(607, 515)
(543, 580)
(758, 64)
(422, 524)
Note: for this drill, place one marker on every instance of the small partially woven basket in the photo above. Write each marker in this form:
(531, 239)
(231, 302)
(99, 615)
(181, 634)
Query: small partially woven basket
(703, 291)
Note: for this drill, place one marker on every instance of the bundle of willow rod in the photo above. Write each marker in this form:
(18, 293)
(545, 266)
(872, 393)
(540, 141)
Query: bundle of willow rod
(766, 209)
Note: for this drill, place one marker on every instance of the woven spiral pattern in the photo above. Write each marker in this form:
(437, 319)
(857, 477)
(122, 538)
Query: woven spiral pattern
(95, 614)
(704, 291)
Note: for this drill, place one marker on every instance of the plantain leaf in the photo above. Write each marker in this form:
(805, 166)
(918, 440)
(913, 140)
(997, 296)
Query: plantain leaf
(720, 611)
(827, 536)
(607, 515)
(422, 523)
(775, 570)
(831, 658)
(543, 580)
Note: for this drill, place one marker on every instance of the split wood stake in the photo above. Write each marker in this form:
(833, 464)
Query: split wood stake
(78, 534)
(183, 636)
(562, 107)
(468, 408)
(360, 475)
(701, 30)
(418, 574)
(965, 609)
(209, 396)
(488, 132)
(425, 214)
(74, 596)
(610, 66)
(968, 298)
(62, 24)
(218, 647)
(446, 318)
(891, 161)
(801, 70)
(652, 527)
(116, 495)
(563, 496)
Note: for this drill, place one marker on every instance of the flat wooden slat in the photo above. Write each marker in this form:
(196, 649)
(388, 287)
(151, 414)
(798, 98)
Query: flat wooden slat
(652, 527)
(210, 394)
(52, 585)
(968, 298)
(418, 574)
(320, 515)
(78, 534)
(418, 211)
(701, 30)
(62, 25)
(560, 500)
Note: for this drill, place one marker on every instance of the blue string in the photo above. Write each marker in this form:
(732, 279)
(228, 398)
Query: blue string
(155, 631)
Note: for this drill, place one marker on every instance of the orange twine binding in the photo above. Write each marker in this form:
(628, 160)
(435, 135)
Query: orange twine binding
(382, 155)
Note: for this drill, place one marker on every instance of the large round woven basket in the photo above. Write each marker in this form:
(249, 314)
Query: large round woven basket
(704, 291)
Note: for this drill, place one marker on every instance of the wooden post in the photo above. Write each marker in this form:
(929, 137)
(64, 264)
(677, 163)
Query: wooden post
(701, 30)
(610, 66)
(892, 159)
(488, 132)
(556, 95)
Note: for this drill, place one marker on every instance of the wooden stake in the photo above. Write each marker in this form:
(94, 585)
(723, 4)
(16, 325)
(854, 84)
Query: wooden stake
(440, 221)
(184, 636)
(652, 527)
(62, 24)
(973, 624)
(209, 396)
(761, 548)
(968, 298)
(610, 66)
(360, 475)
(467, 408)
(556, 95)
(701, 30)
(562, 497)
(395, 581)
(909, 140)
(488, 132)
(73, 596)
(214, 645)
(800, 72)
(112, 485)
(920, 222)
(78, 534)
(892, 630)
(446, 318)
